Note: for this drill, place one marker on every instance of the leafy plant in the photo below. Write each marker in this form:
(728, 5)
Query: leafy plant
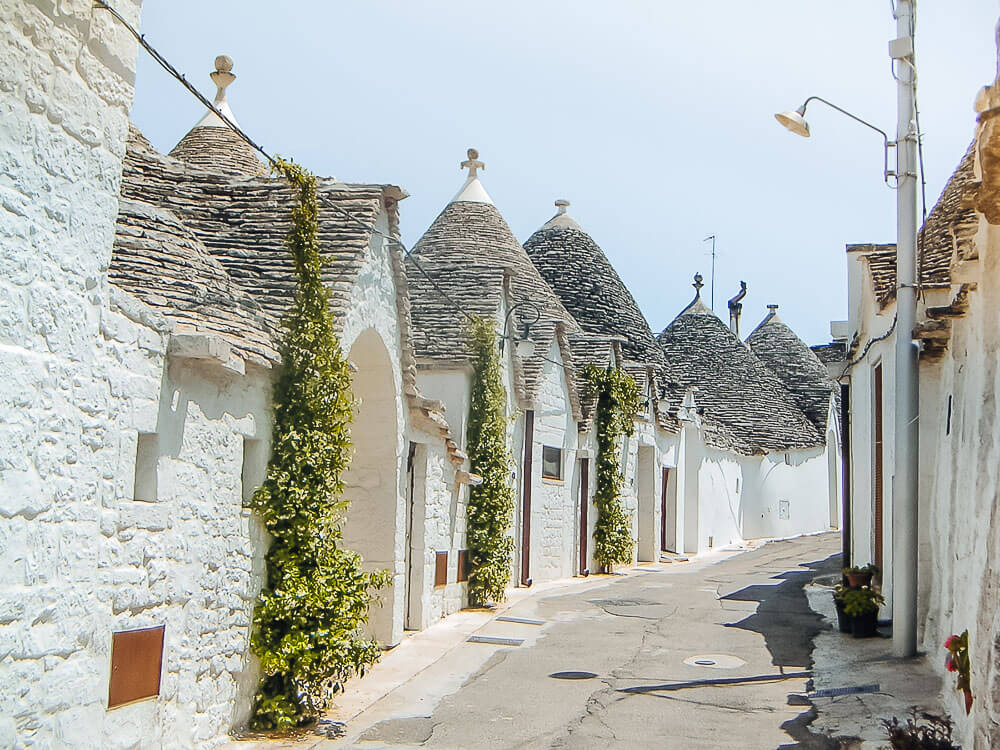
(306, 628)
(617, 403)
(958, 661)
(863, 570)
(861, 601)
(491, 504)
(933, 734)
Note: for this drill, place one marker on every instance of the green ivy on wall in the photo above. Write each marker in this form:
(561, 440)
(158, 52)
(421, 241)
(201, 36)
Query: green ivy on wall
(491, 504)
(306, 629)
(617, 403)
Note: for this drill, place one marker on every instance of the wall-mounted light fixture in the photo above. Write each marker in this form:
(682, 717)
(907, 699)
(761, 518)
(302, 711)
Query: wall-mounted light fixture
(523, 345)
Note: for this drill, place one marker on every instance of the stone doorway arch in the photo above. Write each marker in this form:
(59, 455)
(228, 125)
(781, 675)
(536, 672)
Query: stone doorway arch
(372, 482)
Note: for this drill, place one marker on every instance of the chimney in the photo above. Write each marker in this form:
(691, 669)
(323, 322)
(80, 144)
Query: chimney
(736, 309)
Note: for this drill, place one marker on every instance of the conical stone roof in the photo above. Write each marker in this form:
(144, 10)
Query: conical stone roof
(211, 144)
(798, 367)
(733, 385)
(466, 242)
(589, 287)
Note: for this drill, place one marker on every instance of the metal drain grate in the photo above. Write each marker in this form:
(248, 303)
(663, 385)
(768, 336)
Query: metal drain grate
(494, 641)
(520, 620)
(834, 692)
(573, 675)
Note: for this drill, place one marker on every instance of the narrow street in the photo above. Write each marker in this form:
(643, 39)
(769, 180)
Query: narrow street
(640, 636)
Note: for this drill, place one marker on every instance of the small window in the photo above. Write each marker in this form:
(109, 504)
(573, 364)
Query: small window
(254, 467)
(947, 427)
(147, 453)
(737, 485)
(552, 462)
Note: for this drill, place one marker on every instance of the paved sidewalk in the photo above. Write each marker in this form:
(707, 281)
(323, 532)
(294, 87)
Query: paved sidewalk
(853, 721)
(443, 658)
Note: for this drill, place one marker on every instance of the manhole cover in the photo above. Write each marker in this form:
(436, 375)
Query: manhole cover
(714, 661)
(573, 675)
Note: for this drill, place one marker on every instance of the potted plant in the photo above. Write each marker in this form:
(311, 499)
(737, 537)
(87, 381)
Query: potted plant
(861, 605)
(843, 621)
(929, 732)
(860, 576)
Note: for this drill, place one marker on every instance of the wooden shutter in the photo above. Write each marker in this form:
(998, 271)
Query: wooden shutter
(879, 466)
(441, 569)
(136, 660)
(463, 566)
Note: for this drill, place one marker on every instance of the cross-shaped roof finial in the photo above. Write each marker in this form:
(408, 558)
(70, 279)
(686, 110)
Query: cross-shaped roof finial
(472, 163)
(697, 284)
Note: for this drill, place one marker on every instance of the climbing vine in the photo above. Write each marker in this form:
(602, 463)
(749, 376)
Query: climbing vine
(491, 504)
(306, 629)
(617, 403)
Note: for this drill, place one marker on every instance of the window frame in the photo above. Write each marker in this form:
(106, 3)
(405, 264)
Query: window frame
(562, 463)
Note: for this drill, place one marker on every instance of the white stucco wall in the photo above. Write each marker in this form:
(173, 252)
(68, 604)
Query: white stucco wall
(553, 502)
(960, 521)
(786, 494)
(720, 488)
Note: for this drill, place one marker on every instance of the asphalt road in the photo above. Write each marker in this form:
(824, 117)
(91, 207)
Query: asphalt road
(639, 637)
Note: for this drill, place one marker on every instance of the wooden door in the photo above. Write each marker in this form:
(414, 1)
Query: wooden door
(879, 466)
(584, 511)
(529, 439)
(664, 510)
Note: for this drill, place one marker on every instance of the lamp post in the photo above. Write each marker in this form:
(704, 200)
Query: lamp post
(524, 346)
(904, 485)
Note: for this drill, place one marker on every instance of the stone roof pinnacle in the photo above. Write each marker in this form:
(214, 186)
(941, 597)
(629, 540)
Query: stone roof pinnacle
(222, 77)
(473, 191)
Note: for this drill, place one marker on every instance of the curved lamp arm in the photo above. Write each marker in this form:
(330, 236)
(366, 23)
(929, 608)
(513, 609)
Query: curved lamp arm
(795, 121)
(527, 323)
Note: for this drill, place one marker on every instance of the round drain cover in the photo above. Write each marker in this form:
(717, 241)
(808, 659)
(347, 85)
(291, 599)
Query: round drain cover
(573, 675)
(714, 661)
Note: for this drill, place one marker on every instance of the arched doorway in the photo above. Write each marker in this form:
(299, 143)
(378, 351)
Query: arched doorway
(372, 482)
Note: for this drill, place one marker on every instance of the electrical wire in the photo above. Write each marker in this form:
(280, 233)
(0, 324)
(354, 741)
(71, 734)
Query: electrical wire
(391, 238)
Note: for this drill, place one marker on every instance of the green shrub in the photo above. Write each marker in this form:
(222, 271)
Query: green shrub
(861, 601)
(491, 504)
(306, 628)
(617, 404)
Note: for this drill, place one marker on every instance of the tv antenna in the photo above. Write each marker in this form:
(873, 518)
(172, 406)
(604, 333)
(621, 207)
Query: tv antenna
(712, 237)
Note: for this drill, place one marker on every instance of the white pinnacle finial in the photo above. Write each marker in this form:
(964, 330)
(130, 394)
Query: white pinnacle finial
(562, 204)
(472, 163)
(222, 77)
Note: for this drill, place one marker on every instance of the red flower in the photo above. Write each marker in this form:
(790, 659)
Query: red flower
(949, 664)
(950, 642)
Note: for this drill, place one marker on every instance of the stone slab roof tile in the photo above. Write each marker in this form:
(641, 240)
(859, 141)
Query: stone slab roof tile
(473, 235)
(157, 259)
(798, 367)
(946, 236)
(218, 149)
(735, 387)
(590, 288)
(243, 222)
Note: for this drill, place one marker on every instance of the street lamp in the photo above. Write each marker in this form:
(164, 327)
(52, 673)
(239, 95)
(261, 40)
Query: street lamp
(904, 484)
(795, 121)
(523, 345)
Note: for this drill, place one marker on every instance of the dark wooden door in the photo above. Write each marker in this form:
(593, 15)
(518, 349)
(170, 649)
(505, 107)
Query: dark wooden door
(584, 509)
(664, 509)
(529, 439)
(879, 467)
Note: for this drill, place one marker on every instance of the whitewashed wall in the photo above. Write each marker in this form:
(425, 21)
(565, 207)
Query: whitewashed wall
(960, 560)
(720, 514)
(786, 494)
(66, 81)
(553, 502)
(376, 481)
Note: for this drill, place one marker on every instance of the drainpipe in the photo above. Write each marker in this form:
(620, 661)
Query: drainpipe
(736, 309)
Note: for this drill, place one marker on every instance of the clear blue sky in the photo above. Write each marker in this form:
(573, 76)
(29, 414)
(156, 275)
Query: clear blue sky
(653, 118)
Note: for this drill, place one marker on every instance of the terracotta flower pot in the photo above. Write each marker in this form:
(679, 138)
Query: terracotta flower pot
(857, 580)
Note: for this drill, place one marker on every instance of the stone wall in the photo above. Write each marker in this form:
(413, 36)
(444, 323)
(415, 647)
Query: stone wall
(68, 408)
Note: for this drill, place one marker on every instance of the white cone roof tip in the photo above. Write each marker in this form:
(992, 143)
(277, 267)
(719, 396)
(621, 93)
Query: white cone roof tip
(222, 78)
(472, 191)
